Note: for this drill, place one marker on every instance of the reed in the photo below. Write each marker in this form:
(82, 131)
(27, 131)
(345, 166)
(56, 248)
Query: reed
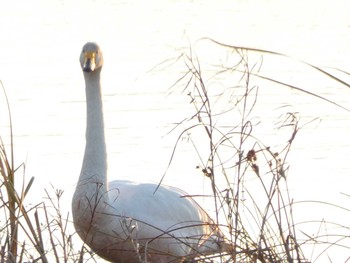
(247, 177)
(31, 233)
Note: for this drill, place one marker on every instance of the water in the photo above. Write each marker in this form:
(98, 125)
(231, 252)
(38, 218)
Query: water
(41, 41)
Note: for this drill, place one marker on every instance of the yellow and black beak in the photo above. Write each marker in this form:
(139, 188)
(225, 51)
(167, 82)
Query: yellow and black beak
(89, 63)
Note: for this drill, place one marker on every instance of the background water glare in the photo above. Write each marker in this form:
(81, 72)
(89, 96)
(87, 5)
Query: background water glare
(41, 42)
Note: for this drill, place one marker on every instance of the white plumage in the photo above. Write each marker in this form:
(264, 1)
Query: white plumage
(125, 221)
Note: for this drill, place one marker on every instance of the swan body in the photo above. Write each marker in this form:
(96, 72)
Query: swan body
(125, 221)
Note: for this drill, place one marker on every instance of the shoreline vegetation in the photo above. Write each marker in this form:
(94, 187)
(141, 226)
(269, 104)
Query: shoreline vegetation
(247, 177)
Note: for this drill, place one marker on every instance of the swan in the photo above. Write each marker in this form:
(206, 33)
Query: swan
(124, 221)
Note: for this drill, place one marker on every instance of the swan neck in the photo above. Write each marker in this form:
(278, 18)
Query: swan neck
(91, 198)
(95, 157)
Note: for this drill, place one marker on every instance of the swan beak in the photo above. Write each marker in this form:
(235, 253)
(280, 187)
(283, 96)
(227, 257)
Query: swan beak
(89, 63)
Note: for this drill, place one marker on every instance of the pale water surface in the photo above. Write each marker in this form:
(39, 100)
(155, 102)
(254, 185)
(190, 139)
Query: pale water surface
(40, 45)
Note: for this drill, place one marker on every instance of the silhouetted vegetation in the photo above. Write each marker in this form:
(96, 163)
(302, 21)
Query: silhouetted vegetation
(247, 177)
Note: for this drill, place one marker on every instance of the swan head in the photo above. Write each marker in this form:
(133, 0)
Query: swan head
(91, 58)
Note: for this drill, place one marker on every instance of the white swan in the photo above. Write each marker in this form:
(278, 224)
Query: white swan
(125, 221)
